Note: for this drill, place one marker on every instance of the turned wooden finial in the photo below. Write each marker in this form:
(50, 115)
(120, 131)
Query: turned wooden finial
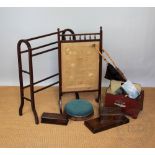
(100, 28)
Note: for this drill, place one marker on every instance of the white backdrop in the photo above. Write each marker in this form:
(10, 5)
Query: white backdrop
(129, 36)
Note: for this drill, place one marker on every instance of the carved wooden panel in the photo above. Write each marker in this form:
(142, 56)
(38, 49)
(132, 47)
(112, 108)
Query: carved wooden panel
(79, 66)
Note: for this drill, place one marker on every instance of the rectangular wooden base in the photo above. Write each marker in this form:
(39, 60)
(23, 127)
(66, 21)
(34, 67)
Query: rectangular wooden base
(95, 125)
(53, 118)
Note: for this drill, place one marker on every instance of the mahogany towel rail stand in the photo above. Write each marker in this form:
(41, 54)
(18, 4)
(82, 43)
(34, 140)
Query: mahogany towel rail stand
(59, 35)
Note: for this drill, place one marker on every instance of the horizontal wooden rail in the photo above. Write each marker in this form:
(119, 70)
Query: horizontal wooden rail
(82, 40)
(42, 80)
(46, 87)
(25, 72)
(52, 49)
(42, 36)
(81, 91)
(79, 34)
(27, 99)
(35, 48)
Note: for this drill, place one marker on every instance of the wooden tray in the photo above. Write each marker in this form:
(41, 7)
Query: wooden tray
(95, 125)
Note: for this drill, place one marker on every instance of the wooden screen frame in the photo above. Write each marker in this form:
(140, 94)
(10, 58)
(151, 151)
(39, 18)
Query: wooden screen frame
(73, 39)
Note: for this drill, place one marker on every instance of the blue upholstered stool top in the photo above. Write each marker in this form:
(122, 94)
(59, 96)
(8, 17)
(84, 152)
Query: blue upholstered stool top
(79, 108)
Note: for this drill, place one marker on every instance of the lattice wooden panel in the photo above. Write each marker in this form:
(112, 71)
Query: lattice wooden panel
(79, 66)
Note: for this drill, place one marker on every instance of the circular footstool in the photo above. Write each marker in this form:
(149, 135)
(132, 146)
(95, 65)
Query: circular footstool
(79, 109)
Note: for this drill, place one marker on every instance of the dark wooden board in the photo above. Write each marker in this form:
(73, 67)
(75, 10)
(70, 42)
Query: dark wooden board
(95, 125)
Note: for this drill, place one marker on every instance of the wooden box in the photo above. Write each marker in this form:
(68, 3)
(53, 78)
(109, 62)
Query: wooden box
(53, 118)
(132, 106)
